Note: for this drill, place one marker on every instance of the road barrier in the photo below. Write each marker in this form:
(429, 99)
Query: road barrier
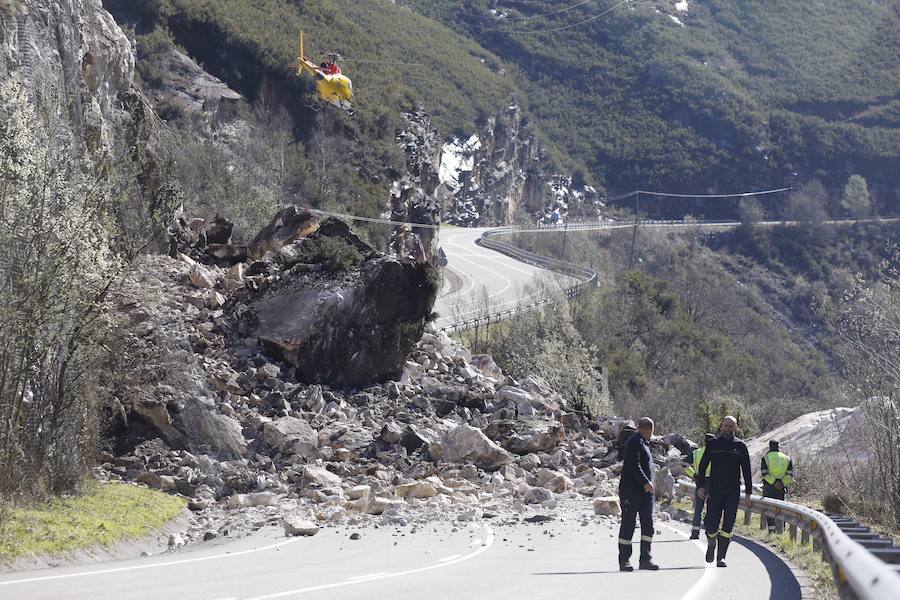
(858, 573)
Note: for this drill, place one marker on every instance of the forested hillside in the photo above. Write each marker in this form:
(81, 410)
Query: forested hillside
(716, 96)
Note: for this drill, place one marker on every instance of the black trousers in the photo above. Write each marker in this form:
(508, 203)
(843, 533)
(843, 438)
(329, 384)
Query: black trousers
(721, 508)
(769, 491)
(634, 504)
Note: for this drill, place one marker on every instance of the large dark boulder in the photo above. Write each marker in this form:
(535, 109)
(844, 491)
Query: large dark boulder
(347, 332)
(286, 226)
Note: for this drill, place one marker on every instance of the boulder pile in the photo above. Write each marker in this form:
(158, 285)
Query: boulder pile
(208, 406)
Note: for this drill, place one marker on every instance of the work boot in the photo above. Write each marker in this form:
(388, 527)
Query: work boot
(647, 564)
(626, 566)
(723, 550)
(695, 534)
(710, 548)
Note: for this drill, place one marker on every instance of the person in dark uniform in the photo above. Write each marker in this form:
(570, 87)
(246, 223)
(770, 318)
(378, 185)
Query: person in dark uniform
(728, 456)
(636, 497)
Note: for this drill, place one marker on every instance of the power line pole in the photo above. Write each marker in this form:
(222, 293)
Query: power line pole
(637, 208)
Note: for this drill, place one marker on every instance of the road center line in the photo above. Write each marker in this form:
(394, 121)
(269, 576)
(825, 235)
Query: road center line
(149, 566)
(451, 557)
(359, 578)
(701, 589)
(487, 544)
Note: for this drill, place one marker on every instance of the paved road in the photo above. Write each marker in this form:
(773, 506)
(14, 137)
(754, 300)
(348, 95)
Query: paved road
(479, 281)
(479, 277)
(536, 561)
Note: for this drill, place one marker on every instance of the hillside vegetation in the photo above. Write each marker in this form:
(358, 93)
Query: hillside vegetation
(690, 323)
(397, 59)
(734, 95)
(737, 95)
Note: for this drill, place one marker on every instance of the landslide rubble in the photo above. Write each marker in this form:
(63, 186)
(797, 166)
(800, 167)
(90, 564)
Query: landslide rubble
(207, 405)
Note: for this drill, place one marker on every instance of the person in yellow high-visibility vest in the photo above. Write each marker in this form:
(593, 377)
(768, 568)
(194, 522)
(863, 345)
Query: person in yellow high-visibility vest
(777, 470)
(691, 471)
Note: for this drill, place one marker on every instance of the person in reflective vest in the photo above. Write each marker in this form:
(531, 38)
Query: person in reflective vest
(691, 471)
(777, 470)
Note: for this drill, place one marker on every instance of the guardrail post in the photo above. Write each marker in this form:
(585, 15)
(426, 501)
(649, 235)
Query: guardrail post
(804, 537)
(793, 533)
(747, 514)
(762, 522)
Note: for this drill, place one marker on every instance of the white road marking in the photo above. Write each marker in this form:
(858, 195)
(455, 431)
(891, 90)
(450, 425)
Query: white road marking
(702, 588)
(359, 578)
(451, 557)
(148, 566)
(439, 565)
(475, 542)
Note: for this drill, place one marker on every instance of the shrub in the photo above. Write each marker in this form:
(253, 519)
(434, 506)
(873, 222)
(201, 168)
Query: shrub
(335, 254)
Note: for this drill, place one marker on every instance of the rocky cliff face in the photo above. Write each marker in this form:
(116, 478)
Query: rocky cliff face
(499, 173)
(75, 61)
(496, 174)
(78, 67)
(416, 197)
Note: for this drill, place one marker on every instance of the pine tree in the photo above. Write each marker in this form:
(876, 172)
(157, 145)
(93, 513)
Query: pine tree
(856, 199)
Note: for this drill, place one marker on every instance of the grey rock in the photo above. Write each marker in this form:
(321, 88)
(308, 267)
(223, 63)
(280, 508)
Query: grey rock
(294, 526)
(466, 444)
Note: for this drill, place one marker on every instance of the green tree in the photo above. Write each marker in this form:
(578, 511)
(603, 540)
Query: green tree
(751, 212)
(807, 205)
(856, 199)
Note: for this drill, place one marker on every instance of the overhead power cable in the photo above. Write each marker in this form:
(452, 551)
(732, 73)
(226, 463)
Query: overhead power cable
(555, 29)
(528, 18)
(671, 195)
(371, 219)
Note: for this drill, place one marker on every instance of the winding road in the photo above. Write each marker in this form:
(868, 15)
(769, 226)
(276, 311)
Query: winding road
(479, 280)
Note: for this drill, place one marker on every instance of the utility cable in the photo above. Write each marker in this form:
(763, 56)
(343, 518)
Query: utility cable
(741, 195)
(528, 18)
(554, 29)
(371, 219)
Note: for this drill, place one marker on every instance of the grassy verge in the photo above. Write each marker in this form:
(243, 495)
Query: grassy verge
(802, 557)
(104, 514)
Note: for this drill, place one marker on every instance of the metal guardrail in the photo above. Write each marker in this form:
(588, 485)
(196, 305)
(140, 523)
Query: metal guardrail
(858, 574)
(586, 277)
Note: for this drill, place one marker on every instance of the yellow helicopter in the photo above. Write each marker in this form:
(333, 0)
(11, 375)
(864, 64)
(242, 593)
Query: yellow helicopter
(331, 85)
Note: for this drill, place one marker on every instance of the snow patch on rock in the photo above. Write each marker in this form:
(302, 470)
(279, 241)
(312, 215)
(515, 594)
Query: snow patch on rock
(456, 158)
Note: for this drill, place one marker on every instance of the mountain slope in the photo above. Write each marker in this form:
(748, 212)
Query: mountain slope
(717, 95)
(396, 58)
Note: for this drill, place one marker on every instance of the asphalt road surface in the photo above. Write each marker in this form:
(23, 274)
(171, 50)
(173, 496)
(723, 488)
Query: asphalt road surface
(560, 559)
(480, 278)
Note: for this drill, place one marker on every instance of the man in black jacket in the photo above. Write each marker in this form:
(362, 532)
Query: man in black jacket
(636, 497)
(729, 458)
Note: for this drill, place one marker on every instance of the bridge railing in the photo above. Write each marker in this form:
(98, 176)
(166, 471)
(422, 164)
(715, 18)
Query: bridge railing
(858, 574)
